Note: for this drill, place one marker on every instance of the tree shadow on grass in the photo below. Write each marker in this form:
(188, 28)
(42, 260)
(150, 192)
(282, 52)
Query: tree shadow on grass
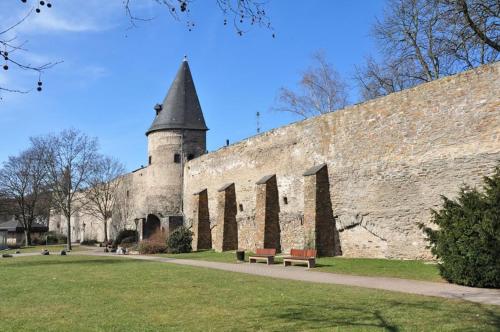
(312, 316)
(493, 316)
(322, 315)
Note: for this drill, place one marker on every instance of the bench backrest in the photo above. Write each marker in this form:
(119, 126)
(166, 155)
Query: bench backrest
(303, 252)
(261, 251)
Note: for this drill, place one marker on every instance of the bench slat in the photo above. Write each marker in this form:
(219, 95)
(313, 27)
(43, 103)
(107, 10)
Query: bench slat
(267, 252)
(303, 253)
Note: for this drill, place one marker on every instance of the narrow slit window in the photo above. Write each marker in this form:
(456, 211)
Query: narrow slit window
(285, 200)
(150, 160)
(177, 158)
(241, 207)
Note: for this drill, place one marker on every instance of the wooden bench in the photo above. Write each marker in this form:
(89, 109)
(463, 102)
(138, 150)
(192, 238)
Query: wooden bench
(301, 256)
(263, 254)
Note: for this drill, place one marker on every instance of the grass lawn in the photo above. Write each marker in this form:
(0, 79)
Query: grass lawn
(406, 269)
(56, 248)
(84, 293)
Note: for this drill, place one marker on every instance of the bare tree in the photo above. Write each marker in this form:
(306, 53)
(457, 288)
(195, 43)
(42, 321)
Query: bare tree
(412, 32)
(423, 40)
(22, 179)
(474, 31)
(102, 190)
(70, 160)
(321, 90)
(482, 17)
(377, 80)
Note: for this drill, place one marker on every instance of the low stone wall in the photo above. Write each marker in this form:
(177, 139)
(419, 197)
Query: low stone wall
(388, 162)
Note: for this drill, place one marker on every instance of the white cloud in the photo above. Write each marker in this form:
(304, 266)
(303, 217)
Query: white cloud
(52, 22)
(74, 16)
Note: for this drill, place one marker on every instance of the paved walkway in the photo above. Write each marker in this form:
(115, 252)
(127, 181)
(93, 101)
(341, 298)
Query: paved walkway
(480, 295)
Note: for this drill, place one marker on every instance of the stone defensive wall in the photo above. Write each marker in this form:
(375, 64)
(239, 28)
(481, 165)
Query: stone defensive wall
(354, 182)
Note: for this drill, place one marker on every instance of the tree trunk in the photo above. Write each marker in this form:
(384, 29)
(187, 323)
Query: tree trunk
(68, 223)
(27, 237)
(105, 231)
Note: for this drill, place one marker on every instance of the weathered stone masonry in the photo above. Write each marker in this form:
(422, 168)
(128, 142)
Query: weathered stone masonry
(319, 222)
(202, 235)
(388, 161)
(267, 233)
(354, 182)
(227, 237)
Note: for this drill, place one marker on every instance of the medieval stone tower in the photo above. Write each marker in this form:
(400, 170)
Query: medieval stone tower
(177, 134)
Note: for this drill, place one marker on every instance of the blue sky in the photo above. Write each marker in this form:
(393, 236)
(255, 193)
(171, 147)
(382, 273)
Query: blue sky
(112, 76)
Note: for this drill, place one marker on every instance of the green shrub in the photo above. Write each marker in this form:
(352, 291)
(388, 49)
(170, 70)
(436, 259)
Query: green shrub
(180, 241)
(55, 238)
(125, 233)
(468, 238)
(38, 240)
(89, 242)
(152, 247)
(129, 242)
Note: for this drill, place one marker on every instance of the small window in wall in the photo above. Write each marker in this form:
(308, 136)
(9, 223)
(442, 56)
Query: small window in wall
(150, 159)
(241, 207)
(177, 158)
(190, 156)
(128, 194)
(285, 200)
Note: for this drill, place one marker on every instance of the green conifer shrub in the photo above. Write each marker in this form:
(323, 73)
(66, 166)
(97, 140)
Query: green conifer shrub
(125, 233)
(467, 240)
(180, 241)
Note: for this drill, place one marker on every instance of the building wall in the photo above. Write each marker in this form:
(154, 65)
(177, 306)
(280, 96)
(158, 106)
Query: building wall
(15, 239)
(83, 227)
(388, 160)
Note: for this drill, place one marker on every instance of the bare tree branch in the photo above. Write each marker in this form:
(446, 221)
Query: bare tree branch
(464, 9)
(243, 13)
(423, 40)
(8, 53)
(102, 191)
(322, 90)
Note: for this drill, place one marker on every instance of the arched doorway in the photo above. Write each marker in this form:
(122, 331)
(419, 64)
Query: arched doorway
(151, 225)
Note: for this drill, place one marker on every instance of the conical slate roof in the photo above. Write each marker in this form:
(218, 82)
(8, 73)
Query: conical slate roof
(181, 108)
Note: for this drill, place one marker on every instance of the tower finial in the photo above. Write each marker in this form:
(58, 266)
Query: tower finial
(185, 58)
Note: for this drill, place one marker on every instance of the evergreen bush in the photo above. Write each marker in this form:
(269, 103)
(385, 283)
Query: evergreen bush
(89, 242)
(180, 241)
(125, 233)
(467, 240)
(129, 240)
(55, 238)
